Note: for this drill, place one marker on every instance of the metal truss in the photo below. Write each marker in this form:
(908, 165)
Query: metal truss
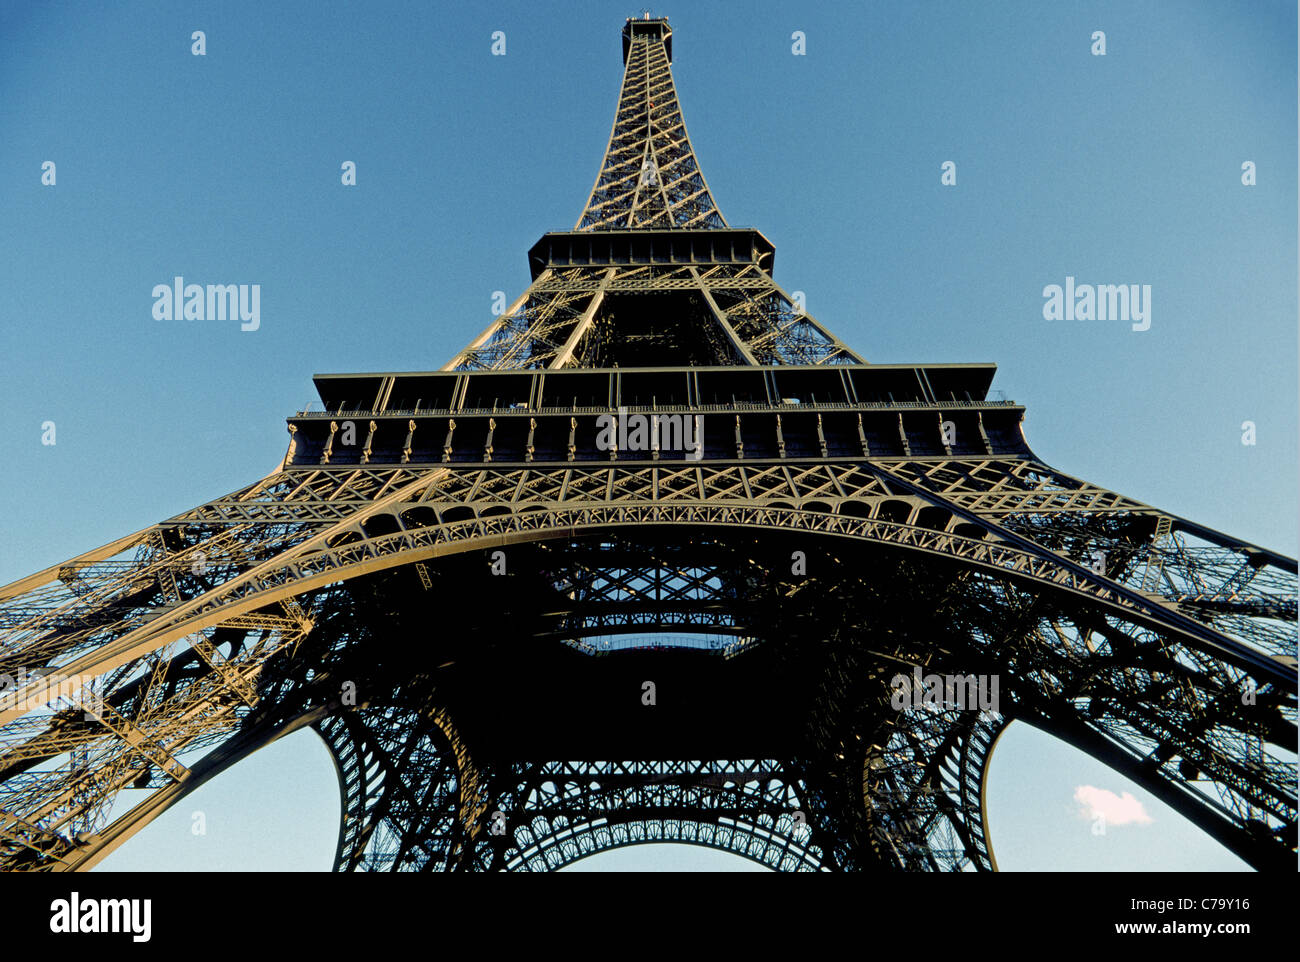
(402, 797)
(745, 807)
(179, 643)
(551, 814)
(649, 177)
(308, 525)
(156, 662)
(650, 180)
(739, 314)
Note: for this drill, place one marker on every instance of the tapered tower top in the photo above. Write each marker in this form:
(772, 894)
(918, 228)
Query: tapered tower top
(651, 275)
(649, 178)
(648, 27)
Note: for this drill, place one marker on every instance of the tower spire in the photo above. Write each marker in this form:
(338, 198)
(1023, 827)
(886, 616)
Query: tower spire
(649, 177)
(651, 275)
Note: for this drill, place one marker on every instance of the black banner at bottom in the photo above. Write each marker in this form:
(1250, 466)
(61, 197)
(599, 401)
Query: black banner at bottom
(336, 913)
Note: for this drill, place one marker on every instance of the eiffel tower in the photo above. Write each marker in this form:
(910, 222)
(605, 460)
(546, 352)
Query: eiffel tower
(644, 563)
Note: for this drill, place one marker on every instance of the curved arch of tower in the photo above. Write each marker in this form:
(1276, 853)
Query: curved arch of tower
(654, 558)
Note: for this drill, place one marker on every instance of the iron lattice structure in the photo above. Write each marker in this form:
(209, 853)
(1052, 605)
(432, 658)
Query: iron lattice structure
(463, 590)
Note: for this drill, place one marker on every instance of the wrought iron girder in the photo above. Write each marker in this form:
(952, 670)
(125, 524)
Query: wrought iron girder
(1058, 662)
(547, 810)
(142, 721)
(411, 795)
(649, 177)
(1172, 657)
(615, 501)
(950, 845)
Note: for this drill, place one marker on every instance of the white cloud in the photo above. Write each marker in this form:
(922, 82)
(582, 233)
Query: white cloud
(1115, 809)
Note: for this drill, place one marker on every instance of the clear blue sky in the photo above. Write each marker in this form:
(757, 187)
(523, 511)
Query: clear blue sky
(225, 169)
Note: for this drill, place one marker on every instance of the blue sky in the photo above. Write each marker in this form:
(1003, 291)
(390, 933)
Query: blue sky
(226, 169)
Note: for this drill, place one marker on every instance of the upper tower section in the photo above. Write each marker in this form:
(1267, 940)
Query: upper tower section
(651, 276)
(647, 26)
(649, 177)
